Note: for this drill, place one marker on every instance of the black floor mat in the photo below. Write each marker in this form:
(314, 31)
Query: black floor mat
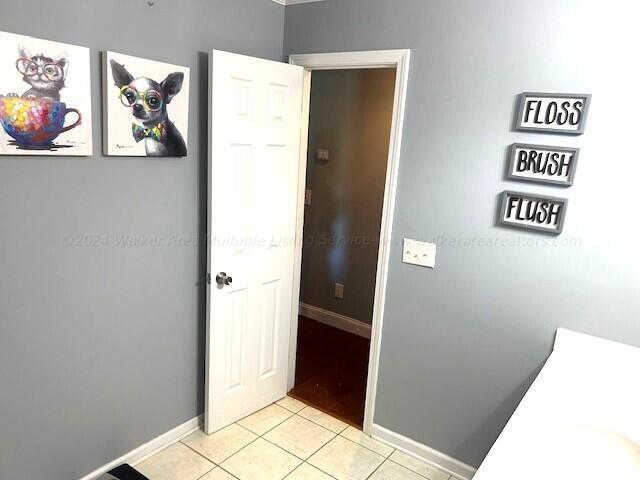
(124, 472)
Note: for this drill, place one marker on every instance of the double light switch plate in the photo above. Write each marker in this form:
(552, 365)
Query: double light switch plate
(419, 253)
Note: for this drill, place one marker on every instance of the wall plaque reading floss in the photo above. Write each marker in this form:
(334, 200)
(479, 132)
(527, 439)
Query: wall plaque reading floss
(533, 212)
(553, 112)
(542, 163)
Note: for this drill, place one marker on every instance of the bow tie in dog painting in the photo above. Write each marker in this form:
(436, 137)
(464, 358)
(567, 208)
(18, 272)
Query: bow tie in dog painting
(157, 133)
(156, 95)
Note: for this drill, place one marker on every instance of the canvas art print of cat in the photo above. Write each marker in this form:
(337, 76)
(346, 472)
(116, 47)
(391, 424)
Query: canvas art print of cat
(45, 75)
(146, 110)
(45, 98)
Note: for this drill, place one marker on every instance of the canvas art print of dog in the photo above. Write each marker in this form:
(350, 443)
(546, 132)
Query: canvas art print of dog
(147, 107)
(45, 99)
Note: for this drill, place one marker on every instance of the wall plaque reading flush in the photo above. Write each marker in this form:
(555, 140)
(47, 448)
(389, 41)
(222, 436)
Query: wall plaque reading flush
(553, 112)
(541, 163)
(533, 212)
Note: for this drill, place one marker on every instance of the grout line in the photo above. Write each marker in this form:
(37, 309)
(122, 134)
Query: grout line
(291, 453)
(207, 473)
(252, 441)
(294, 469)
(318, 468)
(305, 405)
(283, 449)
(303, 461)
(376, 469)
(323, 445)
(316, 423)
(275, 445)
(360, 445)
(256, 439)
(323, 409)
(275, 426)
(289, 474)
(412, 470)
(202, 455)
(227, 471)
(226, 458)
(245, 428)
(367, 448)
(337, 433)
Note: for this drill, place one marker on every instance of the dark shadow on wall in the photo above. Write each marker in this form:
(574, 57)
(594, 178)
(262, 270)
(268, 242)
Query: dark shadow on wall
(507, 163)
(495, 422)
(203, 156)
(516, 112)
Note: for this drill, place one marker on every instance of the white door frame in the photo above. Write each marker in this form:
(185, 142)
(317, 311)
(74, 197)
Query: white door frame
(398, 59)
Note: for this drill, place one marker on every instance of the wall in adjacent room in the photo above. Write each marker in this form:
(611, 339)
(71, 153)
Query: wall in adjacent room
(102, 347)
(461, 343)
(351, 117)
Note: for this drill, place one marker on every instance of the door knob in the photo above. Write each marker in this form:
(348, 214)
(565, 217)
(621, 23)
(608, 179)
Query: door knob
(223, 279)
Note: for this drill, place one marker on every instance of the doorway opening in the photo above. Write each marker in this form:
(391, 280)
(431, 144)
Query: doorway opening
(259, 130)
(350, 124)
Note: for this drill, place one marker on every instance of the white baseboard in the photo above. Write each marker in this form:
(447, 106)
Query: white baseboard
(294, 2)
(336, 320)
(151, 447)
(444, 462)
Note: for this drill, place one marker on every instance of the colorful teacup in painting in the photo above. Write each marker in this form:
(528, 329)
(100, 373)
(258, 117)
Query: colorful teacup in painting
(34, 122)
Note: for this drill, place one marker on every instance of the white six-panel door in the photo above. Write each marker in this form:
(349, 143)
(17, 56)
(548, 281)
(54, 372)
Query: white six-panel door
(255, 118)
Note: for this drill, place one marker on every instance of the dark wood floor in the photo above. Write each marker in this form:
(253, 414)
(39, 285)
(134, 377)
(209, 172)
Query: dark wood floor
(331, 370)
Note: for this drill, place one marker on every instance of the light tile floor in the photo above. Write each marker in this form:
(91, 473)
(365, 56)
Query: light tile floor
(287, 440)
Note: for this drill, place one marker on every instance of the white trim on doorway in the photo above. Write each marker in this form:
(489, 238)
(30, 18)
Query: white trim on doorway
(336, 320)
(398, 59)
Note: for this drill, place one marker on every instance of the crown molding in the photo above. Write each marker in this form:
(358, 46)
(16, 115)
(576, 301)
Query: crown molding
(295, 2)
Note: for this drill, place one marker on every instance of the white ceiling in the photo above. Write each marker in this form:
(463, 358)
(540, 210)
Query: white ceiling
(294, 2)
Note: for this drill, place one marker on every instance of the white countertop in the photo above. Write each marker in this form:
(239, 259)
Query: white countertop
(579, 420)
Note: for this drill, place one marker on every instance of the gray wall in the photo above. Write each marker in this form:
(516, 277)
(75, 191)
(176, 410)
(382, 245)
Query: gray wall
(102, 349)
(351, 116)
(462, 343)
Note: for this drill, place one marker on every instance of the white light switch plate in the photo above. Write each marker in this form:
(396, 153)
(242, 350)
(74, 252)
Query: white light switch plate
(419, 253)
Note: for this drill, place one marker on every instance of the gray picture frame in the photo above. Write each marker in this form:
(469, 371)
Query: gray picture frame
(583, 119)
(512, 163)
(503, 209)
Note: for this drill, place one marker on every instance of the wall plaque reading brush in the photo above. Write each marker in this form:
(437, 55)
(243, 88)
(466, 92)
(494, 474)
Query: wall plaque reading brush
(553, 112)
(543, 163)
(533, 212)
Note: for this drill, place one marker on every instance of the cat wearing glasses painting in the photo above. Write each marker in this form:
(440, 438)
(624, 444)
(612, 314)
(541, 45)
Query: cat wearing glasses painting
(45, 75)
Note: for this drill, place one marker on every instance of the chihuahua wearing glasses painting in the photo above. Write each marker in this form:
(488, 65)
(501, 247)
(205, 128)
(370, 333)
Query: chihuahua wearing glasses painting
(146, 100)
